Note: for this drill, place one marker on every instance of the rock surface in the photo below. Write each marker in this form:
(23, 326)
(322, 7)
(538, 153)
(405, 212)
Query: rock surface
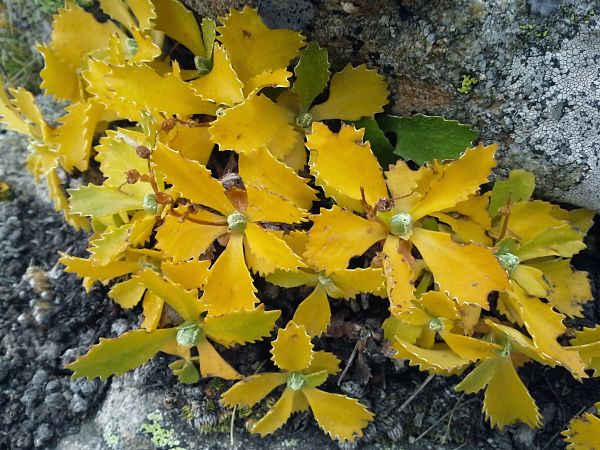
(538, 66)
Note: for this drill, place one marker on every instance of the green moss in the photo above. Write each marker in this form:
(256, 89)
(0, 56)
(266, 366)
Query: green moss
(111, 438)
(467, 84)
(160, 436)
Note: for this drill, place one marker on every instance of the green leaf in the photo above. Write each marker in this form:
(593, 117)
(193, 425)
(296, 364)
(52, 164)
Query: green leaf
(185, 371)
(312, 74)
(380, 145)
(423, 138)
(117, 356)
(100, 201)
(519, 186)
(209, 35)
(240, 327)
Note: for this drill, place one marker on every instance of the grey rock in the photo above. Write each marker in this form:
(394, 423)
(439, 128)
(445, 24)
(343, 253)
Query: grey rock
(42, 435)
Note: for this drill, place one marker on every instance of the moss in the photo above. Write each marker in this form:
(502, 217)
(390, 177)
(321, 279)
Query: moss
(160, 436)
(112, 439)
(467, 84)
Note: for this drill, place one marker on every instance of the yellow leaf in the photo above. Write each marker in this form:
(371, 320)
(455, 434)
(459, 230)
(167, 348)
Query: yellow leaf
(146, 50)
(61, 203)
(507, 400)
(529, 219)
(117, 10)
(277, 415)
(562, 241)
(144, 12)
(187, 239)
(314, 312)
(127, 293)
(338, 235)
(267, 206)
(465, 229)
(191, 179)
(25, 104)
(479, 377)
(351, 282)
(438, 304)
(354, 92)
(141, 85)
(268, 78)
(287, 145)
(10, 116)
(290, 279)
(192, 142)
(397, 327)
(341, 417)
(531, 280)
(583, 432)
(569, 288)
(405, 184)
(517, 341)
(470, 348)
(189, 274)
(212, 364)
(468, 272)
(185, 302)
(545, 327)
(323, 361)
(152, 311)
(229, 285)
(252, 389)
(457, 181)
(292, 350)
(101, 201)
(75, 34)
(250, 125)
(263, 170)
(254, 48)
(109, 245)
(439, 360)
(268, 252)
(343, 164)
(84, 268)
(221, 85)
(241, 327)
(179, 23)
(399, 275)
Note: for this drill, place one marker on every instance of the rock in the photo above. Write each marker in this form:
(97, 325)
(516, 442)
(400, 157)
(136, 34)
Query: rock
(538, 68)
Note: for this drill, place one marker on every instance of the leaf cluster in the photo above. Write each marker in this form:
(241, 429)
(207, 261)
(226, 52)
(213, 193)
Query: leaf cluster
(259, 162)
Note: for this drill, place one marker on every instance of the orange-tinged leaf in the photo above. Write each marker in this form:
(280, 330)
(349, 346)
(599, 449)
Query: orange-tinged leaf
(355, 92)
(229, 285)
(314, 312)
(189, 274)
(179, 23)
(438, 360)
(192, 142)
(457, 181)
(212, 364)
(254, 48)
(399, 275)
(85, 268)
(117, 356)
(250, 125)
(241, 327)
(569, 288)
(507, 400)
(221, 85)
(531, 280)
(267, 206)
(268, 252)
(338, 235)
(187, 239)
(252, 389)
(191, 179)
(467, 272)
(152, 311)
(263, 170)
(185, 302)
(292, 350)
(343, 164)
(341, 417)
(277, 416)
(583, 432)
(127, 293)
(351, 282)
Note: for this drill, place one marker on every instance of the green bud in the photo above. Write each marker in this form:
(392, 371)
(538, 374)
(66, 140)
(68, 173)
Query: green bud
(508, 261)
(304, 120)
(237, 221)
(506, 350)
(150, 204)
(220, 111)
(132, 46)
(203, 65)
(189, 334)
(324, 279)
(295, 381)
(401, 224)
(435, 324)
